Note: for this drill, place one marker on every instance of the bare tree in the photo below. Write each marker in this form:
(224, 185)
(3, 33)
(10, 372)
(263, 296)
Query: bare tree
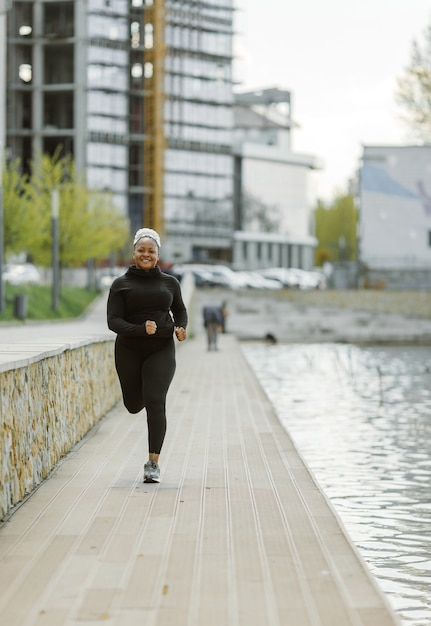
(414, 89)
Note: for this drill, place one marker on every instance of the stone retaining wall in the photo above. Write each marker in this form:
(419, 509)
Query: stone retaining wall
(323, 315)
(48, 405)
(408, 303)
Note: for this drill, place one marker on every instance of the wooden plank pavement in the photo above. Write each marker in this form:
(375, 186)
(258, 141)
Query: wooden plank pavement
(237, 533)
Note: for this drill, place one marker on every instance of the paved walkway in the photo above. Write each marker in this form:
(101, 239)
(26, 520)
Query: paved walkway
(236, 534)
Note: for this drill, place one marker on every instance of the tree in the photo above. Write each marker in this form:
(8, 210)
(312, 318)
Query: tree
(336, 227)
(414, 89)
(90, 226)
(17, 219)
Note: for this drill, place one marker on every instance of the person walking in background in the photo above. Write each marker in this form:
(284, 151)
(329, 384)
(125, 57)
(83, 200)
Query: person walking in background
(213, 321)
(145, 308)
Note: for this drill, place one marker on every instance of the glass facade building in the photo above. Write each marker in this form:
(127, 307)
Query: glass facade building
(68, 87)
(102, 81)
(107, 95)
(198, 129)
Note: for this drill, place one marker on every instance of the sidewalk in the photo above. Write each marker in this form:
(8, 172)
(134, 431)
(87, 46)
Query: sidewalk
(236, 534)
(90, 326)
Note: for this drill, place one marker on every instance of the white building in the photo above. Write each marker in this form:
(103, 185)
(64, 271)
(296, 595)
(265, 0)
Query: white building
(272, 186)
(395, 215)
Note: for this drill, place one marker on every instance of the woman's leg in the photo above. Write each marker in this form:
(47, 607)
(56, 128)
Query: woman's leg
(157, 373)
(128, 363)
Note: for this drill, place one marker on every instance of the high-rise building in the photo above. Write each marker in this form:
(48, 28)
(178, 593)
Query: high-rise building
(189, 126)
(140, 93)
(68, 87)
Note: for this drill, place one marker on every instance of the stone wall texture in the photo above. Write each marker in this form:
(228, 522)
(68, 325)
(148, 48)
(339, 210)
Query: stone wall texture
(48, 406)
(408, 303)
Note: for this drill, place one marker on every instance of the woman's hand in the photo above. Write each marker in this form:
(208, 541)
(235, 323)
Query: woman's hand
(180, 333)
(150, 327)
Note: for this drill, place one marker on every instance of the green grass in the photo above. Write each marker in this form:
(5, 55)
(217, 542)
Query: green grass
(73, 302)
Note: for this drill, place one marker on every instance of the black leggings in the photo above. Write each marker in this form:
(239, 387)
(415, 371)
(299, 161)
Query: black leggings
(146, 368)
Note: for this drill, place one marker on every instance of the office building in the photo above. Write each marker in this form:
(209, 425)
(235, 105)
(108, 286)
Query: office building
(140, 93)
(273, 213)
(189, 127)
(395, 217)
(68, 87)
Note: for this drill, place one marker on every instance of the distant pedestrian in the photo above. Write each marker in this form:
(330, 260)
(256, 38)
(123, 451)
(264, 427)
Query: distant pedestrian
(145, 309)
(213, 322)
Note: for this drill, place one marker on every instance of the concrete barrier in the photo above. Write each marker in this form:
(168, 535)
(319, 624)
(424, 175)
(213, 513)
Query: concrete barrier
(408, 303)
(327, 315)
(188, 292)
(50, 399)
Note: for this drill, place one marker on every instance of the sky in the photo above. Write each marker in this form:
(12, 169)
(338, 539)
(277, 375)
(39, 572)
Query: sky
(340, 60)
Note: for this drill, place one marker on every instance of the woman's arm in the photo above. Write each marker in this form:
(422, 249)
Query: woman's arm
(116, 315)
(178, 307)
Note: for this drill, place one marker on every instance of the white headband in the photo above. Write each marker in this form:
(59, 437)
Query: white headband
(147, 232)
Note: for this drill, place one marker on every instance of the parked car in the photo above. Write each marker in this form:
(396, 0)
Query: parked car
(207, 275)
(107, 277)
(226, 277)
(309, 279)
(203, 278)
(21, 273)
(283, 274)
(210, 275)
(294, 277)
(254, 280)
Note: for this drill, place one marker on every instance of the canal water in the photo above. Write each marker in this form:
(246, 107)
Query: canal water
(361, 418)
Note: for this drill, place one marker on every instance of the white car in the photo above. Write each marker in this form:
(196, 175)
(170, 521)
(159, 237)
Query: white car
(254, 280)
(211, 275)
(107, 277)
(308, 279)
(20, 274)
(283, 274)
(294, 277)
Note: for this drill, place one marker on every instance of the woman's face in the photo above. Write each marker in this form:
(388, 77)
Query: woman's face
(146, 254)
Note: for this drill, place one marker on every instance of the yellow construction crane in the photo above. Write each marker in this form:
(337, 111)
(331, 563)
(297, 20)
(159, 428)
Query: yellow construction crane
(154, 100)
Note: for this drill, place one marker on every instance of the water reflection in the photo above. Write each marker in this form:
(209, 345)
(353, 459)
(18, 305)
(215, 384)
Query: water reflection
(361, 418)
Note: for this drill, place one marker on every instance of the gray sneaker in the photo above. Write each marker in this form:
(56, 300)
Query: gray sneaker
(151, 472)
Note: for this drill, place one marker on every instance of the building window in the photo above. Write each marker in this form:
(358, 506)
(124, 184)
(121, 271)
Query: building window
(429, 238)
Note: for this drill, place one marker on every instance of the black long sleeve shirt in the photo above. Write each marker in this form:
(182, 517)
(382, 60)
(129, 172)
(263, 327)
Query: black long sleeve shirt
(138, 296)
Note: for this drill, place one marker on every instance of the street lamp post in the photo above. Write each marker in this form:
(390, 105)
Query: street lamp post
(5, 5)
(55, 249)
(2, 286)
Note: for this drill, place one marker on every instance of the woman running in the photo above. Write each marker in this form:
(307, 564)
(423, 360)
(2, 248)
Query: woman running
(145, 309)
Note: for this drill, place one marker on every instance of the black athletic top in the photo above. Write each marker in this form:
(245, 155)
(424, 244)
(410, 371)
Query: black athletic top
(139, 296)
